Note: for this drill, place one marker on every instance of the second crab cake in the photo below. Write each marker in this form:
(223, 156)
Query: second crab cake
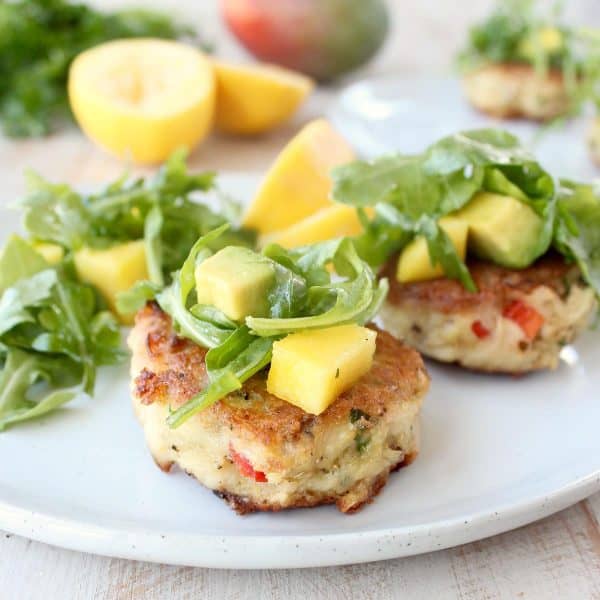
(518, 320)
(492, 263)
(510, 90)
(524, 61)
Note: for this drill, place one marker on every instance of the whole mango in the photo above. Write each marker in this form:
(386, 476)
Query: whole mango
(321, 38)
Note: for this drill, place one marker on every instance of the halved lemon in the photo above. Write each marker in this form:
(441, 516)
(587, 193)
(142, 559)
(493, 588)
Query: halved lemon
(252, 99)
(143, 98)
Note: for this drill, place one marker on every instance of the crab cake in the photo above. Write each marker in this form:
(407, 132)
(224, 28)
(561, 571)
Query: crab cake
(507, 90)
(517, 322)
(259, 452)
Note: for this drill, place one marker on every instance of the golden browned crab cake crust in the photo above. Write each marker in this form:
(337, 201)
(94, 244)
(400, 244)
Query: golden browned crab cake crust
(476, 330)
(259, 452)
(511, 90)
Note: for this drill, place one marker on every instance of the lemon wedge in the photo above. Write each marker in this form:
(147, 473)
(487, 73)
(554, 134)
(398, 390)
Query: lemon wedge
(252, 99)
(299, 184)
(143, 98)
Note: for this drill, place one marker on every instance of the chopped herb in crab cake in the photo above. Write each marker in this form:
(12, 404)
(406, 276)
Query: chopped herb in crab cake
(524, 61)
(492, 264)
(260, 375)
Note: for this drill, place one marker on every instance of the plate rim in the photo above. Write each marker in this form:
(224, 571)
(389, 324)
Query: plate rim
(289, 551)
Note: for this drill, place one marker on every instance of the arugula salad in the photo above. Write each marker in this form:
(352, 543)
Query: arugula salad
(56, 329)
(160, 210)
(410, 194)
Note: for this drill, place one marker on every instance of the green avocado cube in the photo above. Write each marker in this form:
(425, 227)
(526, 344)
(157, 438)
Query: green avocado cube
(502, 229)
(237, 281)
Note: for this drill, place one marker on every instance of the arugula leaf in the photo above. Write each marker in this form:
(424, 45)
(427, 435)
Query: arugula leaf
(21, 371)
(577, 233)
(475, 148)
(54, 212)
(136, 297)
(219, 357)
(74, 328)
(53, 336)
(38, 41)
(200, 251)
(174, 299)
(238, 359)
(153, 245)
(212, 315)
(288, 294)
(16, 302)
(221, 385)
(17, 261)
(442, 252)
(203, 332)
(338, 302)
(368, 183)
(411, 193)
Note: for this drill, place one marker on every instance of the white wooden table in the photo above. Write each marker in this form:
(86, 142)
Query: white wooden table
(558, 557)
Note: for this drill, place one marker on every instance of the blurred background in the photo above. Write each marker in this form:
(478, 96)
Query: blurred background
(423, 40)
(424, 34)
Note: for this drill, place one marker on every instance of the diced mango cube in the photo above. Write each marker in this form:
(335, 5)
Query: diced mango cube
(414, 263)
(236, 281)
(298, 184)
(112, 270)
(312, 368)
(328, 223)
(52, 253)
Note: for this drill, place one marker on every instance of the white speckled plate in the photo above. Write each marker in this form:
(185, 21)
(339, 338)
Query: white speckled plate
(496, 453)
